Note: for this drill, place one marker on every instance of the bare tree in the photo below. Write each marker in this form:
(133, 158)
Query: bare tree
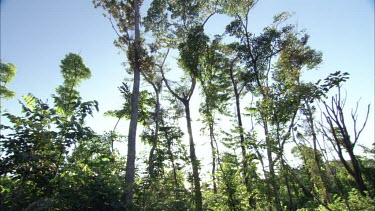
(337, 133)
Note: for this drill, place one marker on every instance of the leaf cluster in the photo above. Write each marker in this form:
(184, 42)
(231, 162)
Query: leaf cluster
(7, 74)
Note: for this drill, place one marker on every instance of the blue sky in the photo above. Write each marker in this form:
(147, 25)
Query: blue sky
(36, 35)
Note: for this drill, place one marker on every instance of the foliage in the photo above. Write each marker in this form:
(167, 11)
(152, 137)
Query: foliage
(7, 74)
(35, 148)
(73, 71)
(254, 108)
(37, 171)
(145, 103)
(355, 201)
(94, 174)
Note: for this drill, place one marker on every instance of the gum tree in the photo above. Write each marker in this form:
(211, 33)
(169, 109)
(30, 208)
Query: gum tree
(126, 15)
(179, 25)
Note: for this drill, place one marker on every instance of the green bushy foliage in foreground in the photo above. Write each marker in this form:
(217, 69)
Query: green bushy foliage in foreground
(354, 201)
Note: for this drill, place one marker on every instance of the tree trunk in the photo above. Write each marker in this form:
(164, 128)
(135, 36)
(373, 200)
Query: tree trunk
(357, 172)
(170, 154)
(271, 169)
(335, 119)
(130, 162)
(155, 138)
(289, 192)
(213, 154)
(327, 195)
(194, 160)
(242, 138)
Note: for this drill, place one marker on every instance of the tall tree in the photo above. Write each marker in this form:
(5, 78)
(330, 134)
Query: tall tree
(127, 17)
(180, 25)
(156, 81)
(235, 74)
(130, 161)
(274, 84)
(213, 88)
(184, 97)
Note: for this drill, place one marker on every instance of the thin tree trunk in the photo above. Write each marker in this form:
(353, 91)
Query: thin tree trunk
(170, 154)
(172, 161)
(213, 152)
(288, 186)
(242, 138)
(155, 138)
(210, 122)
(306, 190)
(130, 162)
(194, 160)
(327, 195)
(271, 169)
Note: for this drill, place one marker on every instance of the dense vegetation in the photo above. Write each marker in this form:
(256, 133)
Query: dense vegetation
(52, 161)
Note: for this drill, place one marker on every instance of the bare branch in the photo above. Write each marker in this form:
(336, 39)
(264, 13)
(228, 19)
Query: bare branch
(118, 34)
(209, 17)
(356, 135)
(166, 81)
(329, 138)
(113, 26)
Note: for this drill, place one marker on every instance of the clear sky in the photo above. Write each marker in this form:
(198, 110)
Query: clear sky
(37, 34)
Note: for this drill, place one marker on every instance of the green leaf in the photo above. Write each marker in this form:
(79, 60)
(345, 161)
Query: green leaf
(105, 159)
(30, 101)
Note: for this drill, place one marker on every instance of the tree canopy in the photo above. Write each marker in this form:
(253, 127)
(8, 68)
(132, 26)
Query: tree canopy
(277, 141)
